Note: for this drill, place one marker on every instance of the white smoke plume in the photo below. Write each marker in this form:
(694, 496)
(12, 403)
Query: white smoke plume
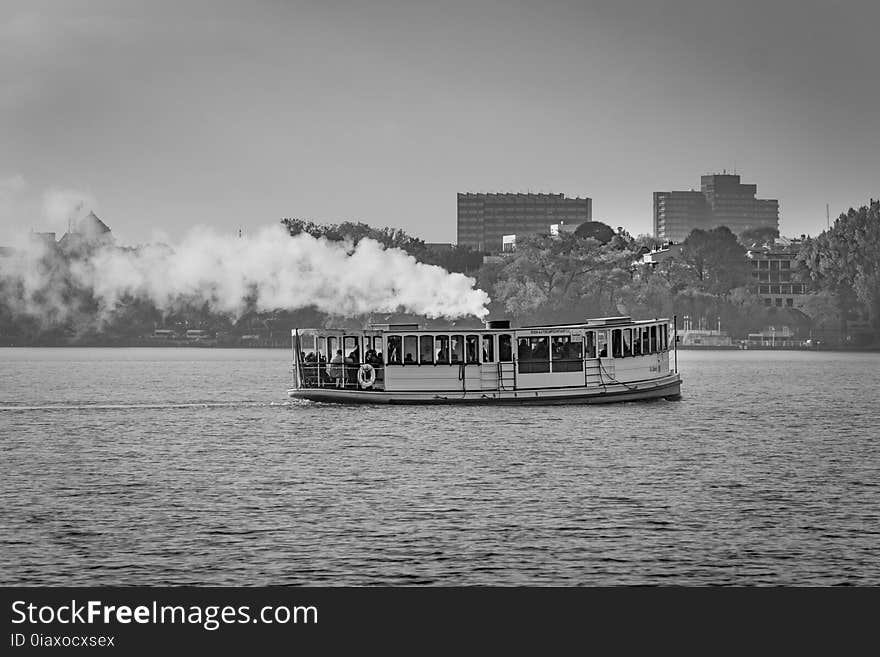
(267, 271)
(62, 206)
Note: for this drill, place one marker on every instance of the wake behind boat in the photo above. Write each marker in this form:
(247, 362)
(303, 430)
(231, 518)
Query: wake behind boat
(602, 360)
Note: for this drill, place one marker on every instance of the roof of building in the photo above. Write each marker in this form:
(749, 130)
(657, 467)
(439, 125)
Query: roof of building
(92, 226)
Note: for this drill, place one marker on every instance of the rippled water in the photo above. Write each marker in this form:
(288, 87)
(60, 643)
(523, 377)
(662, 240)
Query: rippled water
(189, 466)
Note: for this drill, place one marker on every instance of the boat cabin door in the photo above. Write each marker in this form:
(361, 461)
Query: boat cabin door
(497, 366)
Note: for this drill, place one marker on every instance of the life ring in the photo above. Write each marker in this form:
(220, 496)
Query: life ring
(367, 375)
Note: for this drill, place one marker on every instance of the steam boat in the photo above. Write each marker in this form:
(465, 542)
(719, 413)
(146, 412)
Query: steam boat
(603, 360)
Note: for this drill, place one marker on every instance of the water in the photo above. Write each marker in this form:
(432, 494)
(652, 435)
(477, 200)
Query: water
(189, 466)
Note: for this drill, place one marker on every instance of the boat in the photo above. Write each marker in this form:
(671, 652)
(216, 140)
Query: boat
(602, 360)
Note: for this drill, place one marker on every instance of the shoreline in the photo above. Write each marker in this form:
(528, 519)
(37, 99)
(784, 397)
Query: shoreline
(213, 344)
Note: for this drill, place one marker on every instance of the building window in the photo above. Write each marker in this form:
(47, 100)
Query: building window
(789, 302)
(779, 302)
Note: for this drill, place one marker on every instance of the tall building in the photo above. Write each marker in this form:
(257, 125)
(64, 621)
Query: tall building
(676, 214)
(722, 201)
(484, 219)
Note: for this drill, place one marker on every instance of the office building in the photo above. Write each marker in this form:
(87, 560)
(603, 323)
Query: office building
(722, 201)
(484, 219)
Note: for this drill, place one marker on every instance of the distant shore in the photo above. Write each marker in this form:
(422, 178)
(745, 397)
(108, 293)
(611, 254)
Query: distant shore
(6, 342)
(148, 343)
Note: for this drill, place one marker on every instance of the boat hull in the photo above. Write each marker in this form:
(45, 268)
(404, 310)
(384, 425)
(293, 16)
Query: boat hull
(667, 387)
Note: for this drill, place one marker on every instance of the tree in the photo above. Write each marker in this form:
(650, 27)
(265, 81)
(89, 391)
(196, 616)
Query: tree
(845, 262)
(562, 278)
(602, 233)
(718, 260)
(760, 235)
(390, 238)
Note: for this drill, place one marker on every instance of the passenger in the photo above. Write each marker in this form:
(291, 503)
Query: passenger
(409, 360)
(541, 352)
(523, 350)
(334, 369)
(371, 356)
(443, 355)
(354, 356)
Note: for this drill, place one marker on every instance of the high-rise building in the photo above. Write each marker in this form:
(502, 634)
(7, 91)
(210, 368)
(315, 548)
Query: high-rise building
(484, 219)
(676, 214)
(722, 201)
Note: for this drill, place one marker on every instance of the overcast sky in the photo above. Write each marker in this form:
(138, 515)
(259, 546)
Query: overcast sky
(172, 114)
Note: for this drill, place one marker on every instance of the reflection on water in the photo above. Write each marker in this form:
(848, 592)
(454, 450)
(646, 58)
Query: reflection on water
(189, 466)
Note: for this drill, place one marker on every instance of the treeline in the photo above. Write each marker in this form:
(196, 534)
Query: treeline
(595, 272)
(589, 273)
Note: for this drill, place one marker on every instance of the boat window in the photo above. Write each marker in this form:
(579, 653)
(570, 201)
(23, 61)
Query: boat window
(307, 342)
(627, 343)
(665, 337)
(505, 348)
(410, 350)
(443, 350)
(457, 349)
(377, 347)
(488, 348)
(616, 344)
(567, 355)
(331, 347)
(471, 345)
(646, 347)
(602, 343)
(591, 344)
(637, 342)
(653, 339)
(426, 350)
(395, 347)
(321, 346)
(350, 349)
(534, 355)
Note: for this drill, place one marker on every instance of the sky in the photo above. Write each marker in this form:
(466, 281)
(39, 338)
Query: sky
(162, 116)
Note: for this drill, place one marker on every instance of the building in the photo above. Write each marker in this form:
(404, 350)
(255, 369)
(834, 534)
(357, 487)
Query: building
(88, 232)
(484, 219)
(676, 214)
(773, 276)
(666, 252)
(722, 201)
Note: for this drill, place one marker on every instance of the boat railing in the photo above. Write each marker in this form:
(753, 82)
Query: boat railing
(321, 374)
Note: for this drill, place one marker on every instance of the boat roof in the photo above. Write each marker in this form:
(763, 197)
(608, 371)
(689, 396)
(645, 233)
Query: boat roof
(598, 322)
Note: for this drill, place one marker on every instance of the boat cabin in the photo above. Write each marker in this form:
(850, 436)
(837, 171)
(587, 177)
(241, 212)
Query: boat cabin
(489, 361)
